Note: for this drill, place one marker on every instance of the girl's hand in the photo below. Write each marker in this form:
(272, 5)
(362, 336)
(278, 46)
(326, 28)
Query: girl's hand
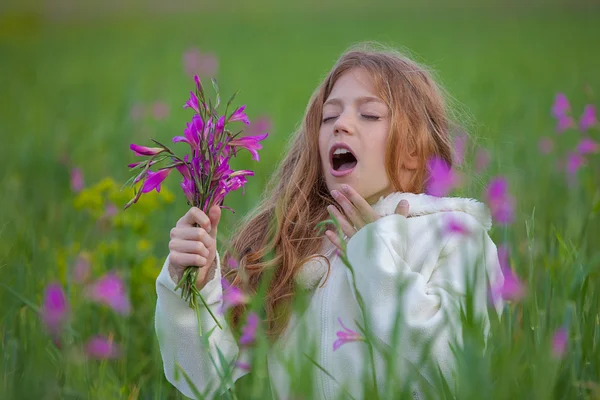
(357, 213)
(193, 243)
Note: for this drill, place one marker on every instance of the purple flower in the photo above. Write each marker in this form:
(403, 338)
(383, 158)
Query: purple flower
(460, 147)
(545, 145)
(110, 290)
(250, 143)
(232, 296)
(160, 110)
(587, 146)
(145, 151)
(559, 342)
(101, 348)
(194, 62)
(77, 182)
(192, 133)
(231, 262)
(442, 178)
(55, 309)
(563, 123)
(82, 268)
(574, 162)
(154, 180)
(249, 330)
(243, 365)
(482, 160)
(192, 103)
(588, 118)
(561, 105)
(240, 115)
(501, 203)
(510, 288)
(260, 125)
(346, 336)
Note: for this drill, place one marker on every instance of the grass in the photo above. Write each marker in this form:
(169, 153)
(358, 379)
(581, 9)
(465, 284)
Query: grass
(69, 88)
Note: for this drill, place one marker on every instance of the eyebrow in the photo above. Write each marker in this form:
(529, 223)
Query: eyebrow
(359, 100)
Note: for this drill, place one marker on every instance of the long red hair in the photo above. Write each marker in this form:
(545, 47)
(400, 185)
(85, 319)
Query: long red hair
(280, 236)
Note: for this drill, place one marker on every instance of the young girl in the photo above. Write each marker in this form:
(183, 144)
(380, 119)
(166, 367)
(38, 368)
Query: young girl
(360, 156)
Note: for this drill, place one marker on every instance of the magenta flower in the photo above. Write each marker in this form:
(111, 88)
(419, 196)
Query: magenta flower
(249, 330)
(260, 125)
(240, 115)
(482, 160)
(110, 291)
(82, 268)
(192, 103)
(460, 148)
(160, 110)
(501, 203)
(563, 123)
(545, 145)
(77, 182)
(561, 105)
(250, 143)
(231, 262)
(587, 146)
(145, 151)
(244, 366)
(232, 296)
(510, 288)
(101, 348)
(442, 178)
(588, 118)
(574, 162)
(192, 132)
(55, 309)
(194, 62)
(154, 180)
(559, 342)
(346, 336)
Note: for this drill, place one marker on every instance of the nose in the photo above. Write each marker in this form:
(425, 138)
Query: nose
(342, 124)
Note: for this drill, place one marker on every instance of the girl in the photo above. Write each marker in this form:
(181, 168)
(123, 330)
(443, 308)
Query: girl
(360, 156)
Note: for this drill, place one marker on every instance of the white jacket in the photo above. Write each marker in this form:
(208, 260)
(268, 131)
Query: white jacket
(431, 262)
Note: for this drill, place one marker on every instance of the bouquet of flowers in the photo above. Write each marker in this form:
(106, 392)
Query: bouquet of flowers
(207, 176)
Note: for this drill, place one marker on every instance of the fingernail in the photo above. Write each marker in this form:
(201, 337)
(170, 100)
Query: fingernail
(404, 203)
(335, 194)
(345, 188)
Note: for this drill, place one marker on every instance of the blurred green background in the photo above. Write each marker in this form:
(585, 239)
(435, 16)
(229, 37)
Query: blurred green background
(82, 80)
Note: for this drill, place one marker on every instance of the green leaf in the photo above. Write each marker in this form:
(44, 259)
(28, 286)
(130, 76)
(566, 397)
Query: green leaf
(193, 387)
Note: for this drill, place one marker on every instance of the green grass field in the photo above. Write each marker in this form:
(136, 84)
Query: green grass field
(69, 86)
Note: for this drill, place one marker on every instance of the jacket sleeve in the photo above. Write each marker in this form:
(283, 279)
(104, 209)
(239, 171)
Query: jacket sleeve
(423, 307)
(177, 330)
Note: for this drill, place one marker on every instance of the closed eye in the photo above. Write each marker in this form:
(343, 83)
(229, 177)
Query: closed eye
(328, 119)
(370, 117)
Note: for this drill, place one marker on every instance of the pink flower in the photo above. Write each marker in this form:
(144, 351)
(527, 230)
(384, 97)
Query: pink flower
(561, 105)
(559, 342)
(563, 123)
(155, 179)
(192, 103)
(501, 203)
(482, 160)
(442, 178)
(232, 296)
(77, 182)
(244, 366)
(250, 143)
(160, 110)
(510, 288)
(231, 262)
(346, 336)
(260, 125)
(82, 268)
(192, 132)
(145, 151)
(249, 330)
(54, 312)
(101, 348)
(110, 290)
(460, 148)
(588, 118)
(574, 162)
(587, 146)
(194, 62)
(111, 210)
(240, 115)
(136, 112)
(545, 145)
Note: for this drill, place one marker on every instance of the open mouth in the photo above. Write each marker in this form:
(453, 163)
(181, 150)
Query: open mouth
(342, 159)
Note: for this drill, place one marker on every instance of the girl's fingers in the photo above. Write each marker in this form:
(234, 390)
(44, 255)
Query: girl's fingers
(189, 233)
(193, 217)
(364, 208)
(346, 226)
(402, 208)
(183, 260)
(189, 247)
(333, 238)
(349, 210)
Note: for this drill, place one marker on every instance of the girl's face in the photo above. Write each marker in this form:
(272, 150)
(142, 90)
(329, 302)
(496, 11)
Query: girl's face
(353, 136)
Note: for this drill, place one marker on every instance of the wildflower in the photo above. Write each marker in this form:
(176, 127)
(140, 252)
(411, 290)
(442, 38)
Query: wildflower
(77, 182)
(482, 160)
(81, 270)
(101, 348)
(346, 336)
(240, 115)
(574, 162)
(510, 288)
(442, 178)
(145, 151)
(232, 296)
(587, 146)
(250, 143)
(249, 330)
(192, 103)
(501, 203)
(588, 118)
(154, 180)
(160, 110)
(561, 105)
(460, 147)
(559, 342)
(110, 290)
(260, 125)
(55, 309)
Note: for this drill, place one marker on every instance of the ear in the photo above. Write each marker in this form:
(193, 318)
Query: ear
(411, 162)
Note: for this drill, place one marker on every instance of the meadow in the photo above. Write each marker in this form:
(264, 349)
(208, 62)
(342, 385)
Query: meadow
(78, 91)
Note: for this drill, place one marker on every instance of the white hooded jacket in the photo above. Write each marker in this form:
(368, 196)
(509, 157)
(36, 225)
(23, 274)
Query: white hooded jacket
(433, 256)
